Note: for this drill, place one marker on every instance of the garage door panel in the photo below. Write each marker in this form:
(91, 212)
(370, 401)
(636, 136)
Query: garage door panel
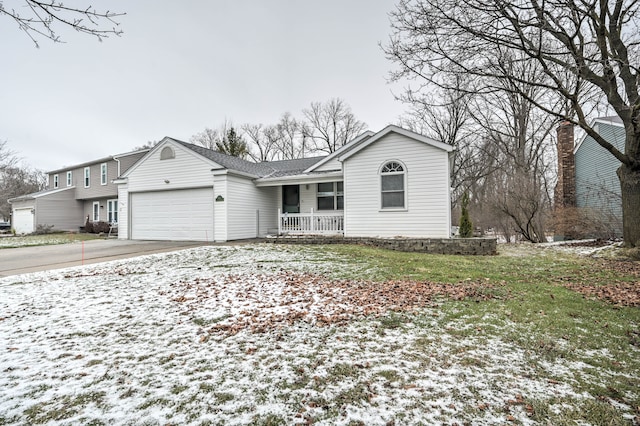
(23, 221)
(181, 215)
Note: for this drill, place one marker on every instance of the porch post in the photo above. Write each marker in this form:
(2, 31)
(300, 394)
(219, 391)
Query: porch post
(279, 223)
(313, 225)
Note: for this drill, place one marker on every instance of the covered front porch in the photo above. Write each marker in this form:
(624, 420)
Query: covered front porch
(311, 204)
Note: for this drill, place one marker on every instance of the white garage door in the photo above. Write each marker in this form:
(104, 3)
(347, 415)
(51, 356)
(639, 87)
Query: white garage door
(182, 215)
(23, 221)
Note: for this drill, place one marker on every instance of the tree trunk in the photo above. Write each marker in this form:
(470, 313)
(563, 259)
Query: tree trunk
(630, 189)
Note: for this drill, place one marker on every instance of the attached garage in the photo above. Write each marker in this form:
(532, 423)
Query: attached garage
(176, 215)
(23, 220)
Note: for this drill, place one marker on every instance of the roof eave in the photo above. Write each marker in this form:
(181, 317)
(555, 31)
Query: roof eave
(299, 178)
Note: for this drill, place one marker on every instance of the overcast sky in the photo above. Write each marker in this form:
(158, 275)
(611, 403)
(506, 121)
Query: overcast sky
(188, 65)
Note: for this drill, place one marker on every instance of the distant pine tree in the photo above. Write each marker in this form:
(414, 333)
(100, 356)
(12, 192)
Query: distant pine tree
(466, 227)
(233, 144)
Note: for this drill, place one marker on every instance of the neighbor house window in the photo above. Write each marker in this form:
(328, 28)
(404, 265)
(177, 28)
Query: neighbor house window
(331, 196)
(103, 174)
(87, 177)
(392, 184)
(112, 211)
(96, 211)
(69, 178)
(167, 153)
(56, 181)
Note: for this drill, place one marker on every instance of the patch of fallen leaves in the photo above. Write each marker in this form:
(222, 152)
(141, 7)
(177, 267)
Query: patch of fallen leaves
(263, 303)
(616, 291)
(621, 294)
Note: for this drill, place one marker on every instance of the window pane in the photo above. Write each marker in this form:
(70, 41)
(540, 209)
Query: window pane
(325, 187)
(393, 183)
(325, 203)
(393, 199)
(340, 186)
(340, 200)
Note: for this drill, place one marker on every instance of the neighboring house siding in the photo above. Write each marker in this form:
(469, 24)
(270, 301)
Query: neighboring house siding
(597, 184)
(245, 203)
(127, 161)
(96, 189)
(88, 208)
(427, 182)
(59, 210)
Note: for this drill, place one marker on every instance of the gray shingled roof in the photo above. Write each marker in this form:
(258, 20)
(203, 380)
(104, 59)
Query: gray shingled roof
(291, 167)
(264, 169)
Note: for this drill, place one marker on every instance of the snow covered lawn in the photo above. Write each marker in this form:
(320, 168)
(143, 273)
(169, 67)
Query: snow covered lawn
(257, 334)
(11, 241)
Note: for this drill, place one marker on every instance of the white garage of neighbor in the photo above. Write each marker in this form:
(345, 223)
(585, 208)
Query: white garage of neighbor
(179, 215)
(23, 221)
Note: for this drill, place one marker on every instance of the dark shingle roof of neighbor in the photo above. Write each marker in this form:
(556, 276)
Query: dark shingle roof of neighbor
(265, 169)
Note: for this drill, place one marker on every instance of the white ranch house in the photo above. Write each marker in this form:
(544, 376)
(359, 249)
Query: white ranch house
(393, 183)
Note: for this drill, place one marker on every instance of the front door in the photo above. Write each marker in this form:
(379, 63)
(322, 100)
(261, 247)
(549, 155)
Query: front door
(291, 199)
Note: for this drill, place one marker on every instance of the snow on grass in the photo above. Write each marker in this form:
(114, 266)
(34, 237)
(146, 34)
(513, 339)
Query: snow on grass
(135, 341)
(35, 240)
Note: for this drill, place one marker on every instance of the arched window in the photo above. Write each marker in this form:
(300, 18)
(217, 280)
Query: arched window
(167, 153)
(392, 184)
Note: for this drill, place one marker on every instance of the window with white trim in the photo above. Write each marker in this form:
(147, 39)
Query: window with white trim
(112, 211)
(392, 185)
(96, 211)
(330, 196)
(69, 178)
(103, 174)
(87, 177)
(56, 181)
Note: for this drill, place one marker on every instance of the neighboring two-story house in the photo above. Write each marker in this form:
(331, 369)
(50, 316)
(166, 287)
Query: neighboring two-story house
(587, 178)
(73, 194)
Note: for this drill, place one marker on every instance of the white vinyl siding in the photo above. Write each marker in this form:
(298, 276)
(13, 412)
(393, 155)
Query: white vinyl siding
(178, 215)
(186, 170)
(426, 212)
(251, 211)
(103, 174)
(69, 178)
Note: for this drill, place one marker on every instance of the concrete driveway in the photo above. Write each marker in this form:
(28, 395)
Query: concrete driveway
(21, 260)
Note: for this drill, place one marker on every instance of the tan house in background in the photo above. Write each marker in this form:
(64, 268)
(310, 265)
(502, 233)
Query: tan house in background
(73, 194)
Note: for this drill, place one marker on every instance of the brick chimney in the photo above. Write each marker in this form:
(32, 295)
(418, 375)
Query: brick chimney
(565, 193)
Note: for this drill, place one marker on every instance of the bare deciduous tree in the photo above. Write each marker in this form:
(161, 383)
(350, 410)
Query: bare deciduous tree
(263, 141)
(15, 179)
(208, 138)
(43, 18)
(580, 47)
(332, 124)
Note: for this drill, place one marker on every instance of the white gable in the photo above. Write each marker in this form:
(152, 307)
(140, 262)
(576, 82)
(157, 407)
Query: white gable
(186, 169)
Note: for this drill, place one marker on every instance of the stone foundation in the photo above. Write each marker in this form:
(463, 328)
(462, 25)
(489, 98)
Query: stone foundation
(462, 246)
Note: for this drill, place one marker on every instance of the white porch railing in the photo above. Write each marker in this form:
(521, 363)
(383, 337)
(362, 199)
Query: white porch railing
(310, 223)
